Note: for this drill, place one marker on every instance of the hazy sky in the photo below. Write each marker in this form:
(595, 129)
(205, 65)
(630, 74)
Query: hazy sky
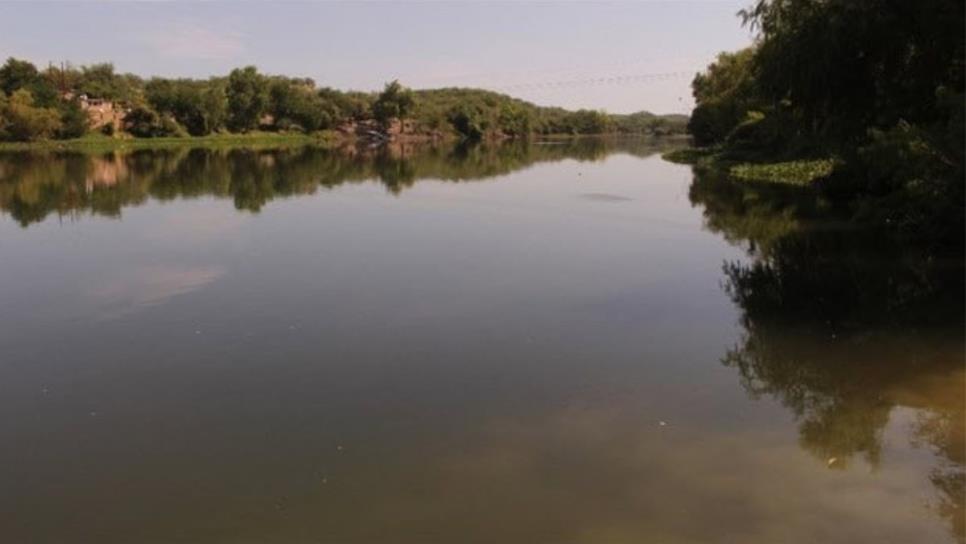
(577, 55)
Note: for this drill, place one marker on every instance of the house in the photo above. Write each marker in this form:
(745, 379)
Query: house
(102, 112)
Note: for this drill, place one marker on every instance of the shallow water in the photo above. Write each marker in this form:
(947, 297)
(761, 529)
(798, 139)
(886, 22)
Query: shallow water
(536, 344)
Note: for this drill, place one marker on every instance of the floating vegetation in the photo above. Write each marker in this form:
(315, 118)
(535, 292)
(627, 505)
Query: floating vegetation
(793, 172)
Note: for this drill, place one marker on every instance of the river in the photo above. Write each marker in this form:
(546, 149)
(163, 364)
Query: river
(554, 342)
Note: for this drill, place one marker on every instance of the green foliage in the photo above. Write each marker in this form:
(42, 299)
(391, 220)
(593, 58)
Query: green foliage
(23, 121)
(74, 120)
(100, 81)
(722, 95)
(469, 122)
(394, 102)
(879, 84)
(514, 120)
(793, 172)
(858, 64)
(17, 74)
(247, 98)
(644, 122)
(910, 184)
(477, 114)
(589, 122)
(470, 113)
(346, 106)
(144, 122)
(200, 106)
(20, 74)
(296, 104)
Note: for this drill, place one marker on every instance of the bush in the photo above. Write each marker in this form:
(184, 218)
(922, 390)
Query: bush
(468, 122)
(144, 122)
(74, 120)
(24, 122)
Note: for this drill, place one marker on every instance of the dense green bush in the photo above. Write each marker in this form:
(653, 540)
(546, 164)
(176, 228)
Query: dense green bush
(247, 95)
(24, 121)
(146, 123)
(74, 121)
(201, 107)
(394, 102)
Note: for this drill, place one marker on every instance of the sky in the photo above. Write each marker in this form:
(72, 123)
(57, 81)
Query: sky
(619, 57)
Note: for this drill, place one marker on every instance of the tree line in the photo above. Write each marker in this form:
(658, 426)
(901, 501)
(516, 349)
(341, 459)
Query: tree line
(45, 104)
(876, 86)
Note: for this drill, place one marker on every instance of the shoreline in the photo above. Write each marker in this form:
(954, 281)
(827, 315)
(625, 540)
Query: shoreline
(326, 139)
(106, 143)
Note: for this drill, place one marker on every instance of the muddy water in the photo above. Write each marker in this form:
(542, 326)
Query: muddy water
(537, 344)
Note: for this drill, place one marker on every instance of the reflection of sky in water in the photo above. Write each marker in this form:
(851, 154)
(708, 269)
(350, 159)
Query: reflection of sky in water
(128, 290)
(531, 358)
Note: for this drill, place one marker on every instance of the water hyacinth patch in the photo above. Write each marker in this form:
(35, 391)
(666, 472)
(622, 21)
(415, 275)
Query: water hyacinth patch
(792, 172)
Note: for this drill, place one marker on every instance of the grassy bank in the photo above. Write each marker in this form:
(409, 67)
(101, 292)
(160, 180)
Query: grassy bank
(95, 143)
(98, 142)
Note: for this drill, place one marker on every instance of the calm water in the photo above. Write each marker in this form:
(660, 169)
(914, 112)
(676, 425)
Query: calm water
(570, 343)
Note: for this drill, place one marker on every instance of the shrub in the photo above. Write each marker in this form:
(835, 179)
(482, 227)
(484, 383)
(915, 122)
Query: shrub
(25, 122)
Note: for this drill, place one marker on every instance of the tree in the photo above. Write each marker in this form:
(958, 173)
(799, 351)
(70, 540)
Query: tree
(859, 64)
(723, 95)
(247, 98)
(20, 74)
(514, 120)
(144, 122)
(24, 121)
(394, 102)
(200, 106)
(877, 84)
(17, 74)
(295, 103)
(351, 105)
(100, 81)
(468, 121)
(588, 122)
(74, 120)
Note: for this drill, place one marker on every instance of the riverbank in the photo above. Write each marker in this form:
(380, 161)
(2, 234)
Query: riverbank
(97, 142)
(327, 139)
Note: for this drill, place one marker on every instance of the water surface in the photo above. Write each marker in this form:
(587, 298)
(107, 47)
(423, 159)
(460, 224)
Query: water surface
(526, 343)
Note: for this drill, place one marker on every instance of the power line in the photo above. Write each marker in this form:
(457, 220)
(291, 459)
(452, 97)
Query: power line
(630, 79)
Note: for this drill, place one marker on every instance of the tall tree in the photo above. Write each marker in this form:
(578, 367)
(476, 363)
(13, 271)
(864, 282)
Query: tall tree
(395, 101)
(247, 98)
(17, 74)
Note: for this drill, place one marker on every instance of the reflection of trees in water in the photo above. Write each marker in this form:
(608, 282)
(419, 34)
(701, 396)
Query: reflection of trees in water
(36, 184)
(844, 325)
